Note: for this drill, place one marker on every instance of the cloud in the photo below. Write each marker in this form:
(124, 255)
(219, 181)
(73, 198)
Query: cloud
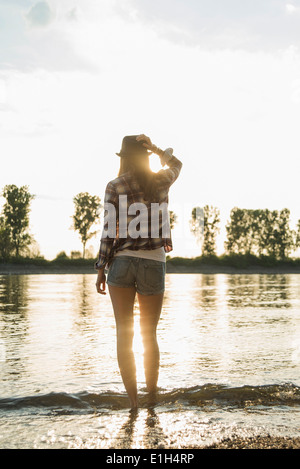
(292, 9)
(3, 91)
(220, 24)
(36, 37)
(93, 35)
(40, 14)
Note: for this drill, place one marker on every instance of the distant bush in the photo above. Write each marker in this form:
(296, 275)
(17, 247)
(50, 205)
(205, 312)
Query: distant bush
(61, 255)
(75, 254)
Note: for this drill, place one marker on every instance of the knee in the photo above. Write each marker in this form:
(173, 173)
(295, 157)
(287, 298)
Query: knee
(149, 340)
(125, 338)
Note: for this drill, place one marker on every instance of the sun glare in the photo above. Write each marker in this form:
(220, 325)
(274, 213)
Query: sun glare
(154, 163)
(138, 348)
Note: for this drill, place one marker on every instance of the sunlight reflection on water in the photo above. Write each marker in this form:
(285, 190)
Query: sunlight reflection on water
(58, 336)
(216, 328)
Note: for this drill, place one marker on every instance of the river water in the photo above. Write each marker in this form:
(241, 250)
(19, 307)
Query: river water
(230, 363)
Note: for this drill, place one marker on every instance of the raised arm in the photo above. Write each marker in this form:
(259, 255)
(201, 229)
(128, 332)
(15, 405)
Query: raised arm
(168, 176)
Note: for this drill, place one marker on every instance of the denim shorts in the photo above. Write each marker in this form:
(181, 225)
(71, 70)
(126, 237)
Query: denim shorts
(146, 275)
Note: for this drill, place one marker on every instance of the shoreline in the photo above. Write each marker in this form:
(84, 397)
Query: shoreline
(28, 269)
(262, 442)
(218, 269)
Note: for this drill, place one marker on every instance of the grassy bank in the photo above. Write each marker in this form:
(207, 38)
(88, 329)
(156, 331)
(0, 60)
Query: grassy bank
(212, 264)
(39, 265)
(234, 263)
(235, 260)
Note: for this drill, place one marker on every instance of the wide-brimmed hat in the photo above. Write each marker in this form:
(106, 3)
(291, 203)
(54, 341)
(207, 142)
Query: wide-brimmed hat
(130, 146)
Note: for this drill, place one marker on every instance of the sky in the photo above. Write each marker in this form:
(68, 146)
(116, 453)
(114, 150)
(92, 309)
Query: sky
(216, 80)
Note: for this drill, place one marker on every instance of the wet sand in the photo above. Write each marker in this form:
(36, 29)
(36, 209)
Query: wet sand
(258, 442)
(235, 442)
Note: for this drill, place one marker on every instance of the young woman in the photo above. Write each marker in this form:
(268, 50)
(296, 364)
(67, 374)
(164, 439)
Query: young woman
(134, 241)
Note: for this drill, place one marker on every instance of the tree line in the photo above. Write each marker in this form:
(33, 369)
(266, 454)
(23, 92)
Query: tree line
(15, 238)
(259, 232)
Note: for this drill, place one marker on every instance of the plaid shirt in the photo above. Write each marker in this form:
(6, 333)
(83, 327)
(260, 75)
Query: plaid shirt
(125, 185)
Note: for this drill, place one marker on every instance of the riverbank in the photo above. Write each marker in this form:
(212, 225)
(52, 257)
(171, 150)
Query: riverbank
(88, 268)
(225, 264)
(225, 269)
(32, 269)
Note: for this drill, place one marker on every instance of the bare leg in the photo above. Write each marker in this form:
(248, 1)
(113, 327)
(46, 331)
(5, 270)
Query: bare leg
(150, 309)
(123, 301)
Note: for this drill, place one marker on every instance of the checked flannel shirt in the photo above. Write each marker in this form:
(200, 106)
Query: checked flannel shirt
(125, 185)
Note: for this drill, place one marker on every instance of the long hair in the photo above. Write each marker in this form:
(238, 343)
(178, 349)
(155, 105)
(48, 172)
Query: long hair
(138, 165)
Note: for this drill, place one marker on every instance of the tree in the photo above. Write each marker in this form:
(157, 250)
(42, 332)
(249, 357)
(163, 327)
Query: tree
(275, 238)
(16, 215)
(197, 223)
(297, 241)
(270, 232)
(87, 213)
(75, 254)
(260, 232)
(285, 236)
(61, 256)
(237, 232)
(173, 219)
(205, 225)
(5, 239)
(211, 230)
(264, 228)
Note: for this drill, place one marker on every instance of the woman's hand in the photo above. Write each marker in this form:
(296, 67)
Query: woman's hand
(149, 145)
(101, 282)
(147, 142)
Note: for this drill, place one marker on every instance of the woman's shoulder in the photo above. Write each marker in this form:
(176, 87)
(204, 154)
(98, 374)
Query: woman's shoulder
(162, 177)
(120, 181)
